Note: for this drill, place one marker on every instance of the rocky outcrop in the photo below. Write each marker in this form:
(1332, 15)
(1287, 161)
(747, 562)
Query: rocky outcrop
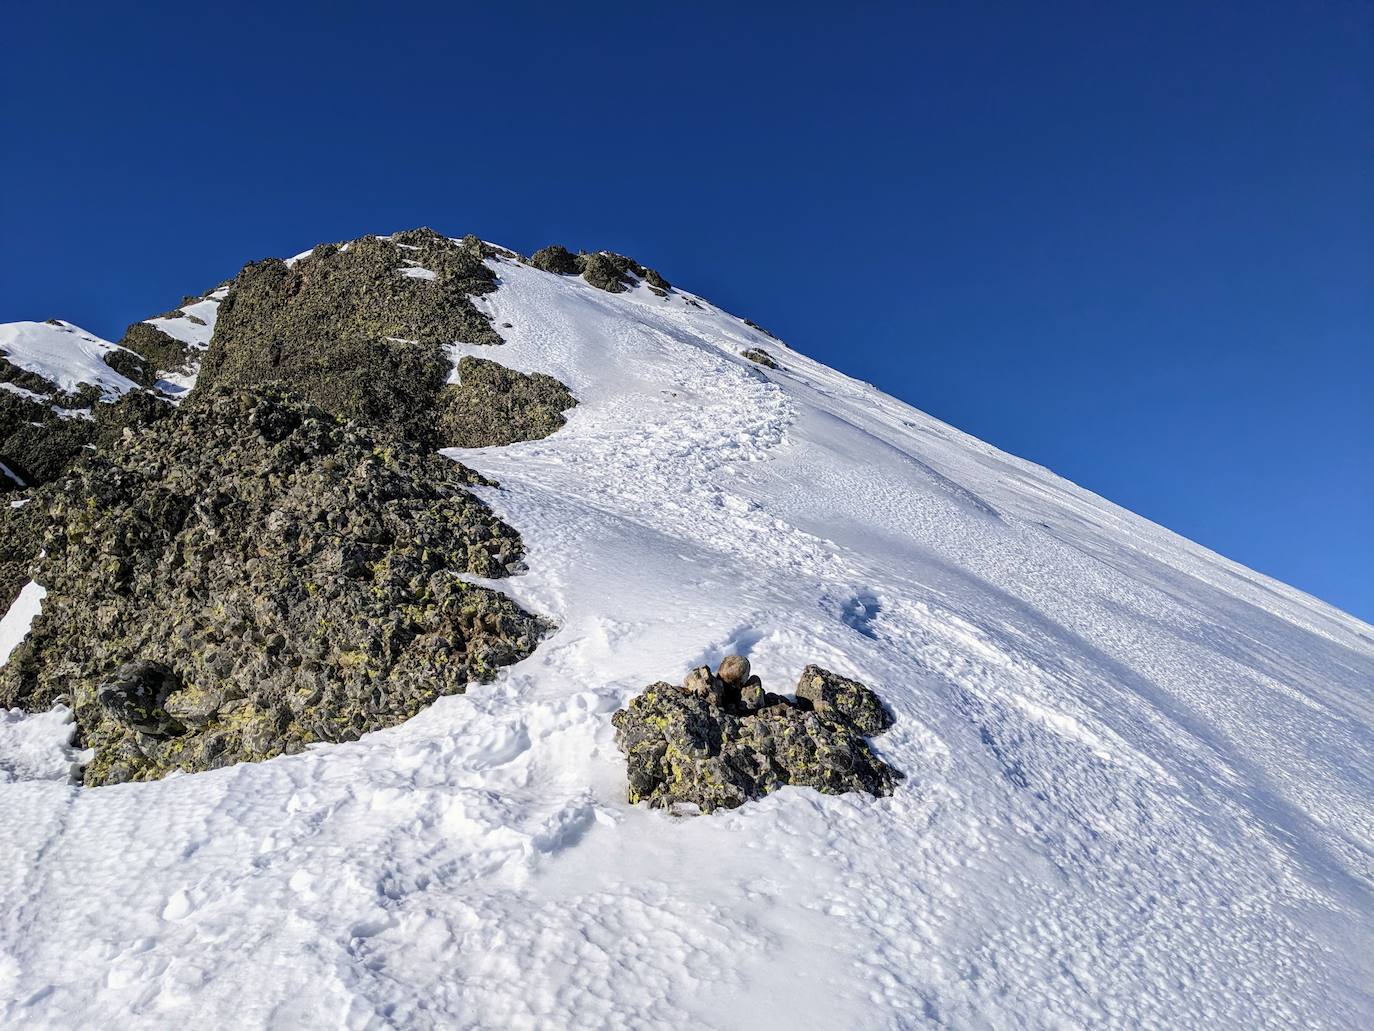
(249, 574)
(611, 272)
(362, 329)
(43, 429)
(720, 739)
(755, 326)
(759, 356)
(492, 404)
(359, 329)
(558, 260)
(604, 270)
(153, 351)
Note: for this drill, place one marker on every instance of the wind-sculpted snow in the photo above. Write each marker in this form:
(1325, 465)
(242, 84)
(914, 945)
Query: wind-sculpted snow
(1139, 788)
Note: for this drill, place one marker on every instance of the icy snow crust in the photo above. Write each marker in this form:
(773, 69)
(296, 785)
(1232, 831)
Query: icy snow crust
(1139, 775)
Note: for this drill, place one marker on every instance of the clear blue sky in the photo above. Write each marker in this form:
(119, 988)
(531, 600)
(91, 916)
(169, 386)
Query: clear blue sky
(1136, 246)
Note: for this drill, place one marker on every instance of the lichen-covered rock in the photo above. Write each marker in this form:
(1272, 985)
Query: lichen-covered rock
(611, 272)
(42, 435)
(159, 352)
(558, 260)
(248, 574)
(20, 542)
(707, 745)
(492, 404)
(759, 356)
(841, 698)
(359, 328)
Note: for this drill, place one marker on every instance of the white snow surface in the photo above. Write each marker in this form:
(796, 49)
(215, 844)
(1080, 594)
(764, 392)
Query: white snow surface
(15, 623)
(63, 354)
(1140, 777)
(193, 328)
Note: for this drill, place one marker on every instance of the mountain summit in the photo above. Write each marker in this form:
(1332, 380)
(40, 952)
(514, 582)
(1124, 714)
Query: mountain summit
(348, 605)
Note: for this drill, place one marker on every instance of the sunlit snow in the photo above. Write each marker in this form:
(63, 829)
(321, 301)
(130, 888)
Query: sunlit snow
(1140, 777)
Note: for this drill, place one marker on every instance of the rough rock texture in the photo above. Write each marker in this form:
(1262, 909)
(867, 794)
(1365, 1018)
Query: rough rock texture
(719, 740)
(759, 356)
(611, 272)
(840, 698)
(20, 541)
(492, 404)
(43, 430)
(558, 260)
(158, 351)
(357, 328)
(249, 574)
(603, 269)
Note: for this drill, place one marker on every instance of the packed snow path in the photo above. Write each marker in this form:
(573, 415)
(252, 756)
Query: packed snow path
(1140, 779)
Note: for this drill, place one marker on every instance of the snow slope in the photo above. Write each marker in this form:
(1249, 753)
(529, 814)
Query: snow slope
(1140, 777)
(63, 354)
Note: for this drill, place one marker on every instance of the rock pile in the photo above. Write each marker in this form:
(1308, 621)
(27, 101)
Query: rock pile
(720, 739)
(249, 574)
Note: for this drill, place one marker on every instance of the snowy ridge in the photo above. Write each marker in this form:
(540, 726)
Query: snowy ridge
(63, 354)
(1139, 784)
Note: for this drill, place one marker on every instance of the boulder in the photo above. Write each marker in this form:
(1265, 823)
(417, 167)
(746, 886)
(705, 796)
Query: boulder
(734, 669)
(759, 356)
(696, 744)
(841, 698)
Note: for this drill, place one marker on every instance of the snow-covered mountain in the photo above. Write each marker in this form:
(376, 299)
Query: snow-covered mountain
(1139, 778)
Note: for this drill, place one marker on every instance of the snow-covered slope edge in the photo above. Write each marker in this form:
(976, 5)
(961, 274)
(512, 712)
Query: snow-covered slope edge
(1139, 776)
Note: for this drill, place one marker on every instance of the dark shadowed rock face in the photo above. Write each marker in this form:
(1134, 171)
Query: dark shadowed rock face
(249, 574)
(359, 328)
(492, 404)
(719, 740)
(46, 429)
(759, 356)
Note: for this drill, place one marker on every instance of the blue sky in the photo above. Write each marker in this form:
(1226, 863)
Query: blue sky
(1136, 246)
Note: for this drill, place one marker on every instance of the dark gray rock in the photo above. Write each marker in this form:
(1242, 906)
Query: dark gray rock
(259, 575)
(492, 405)
(759, 356)
(159, 351)
(841, 698)
(693, 744)
(558, 260)
(348, 330)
